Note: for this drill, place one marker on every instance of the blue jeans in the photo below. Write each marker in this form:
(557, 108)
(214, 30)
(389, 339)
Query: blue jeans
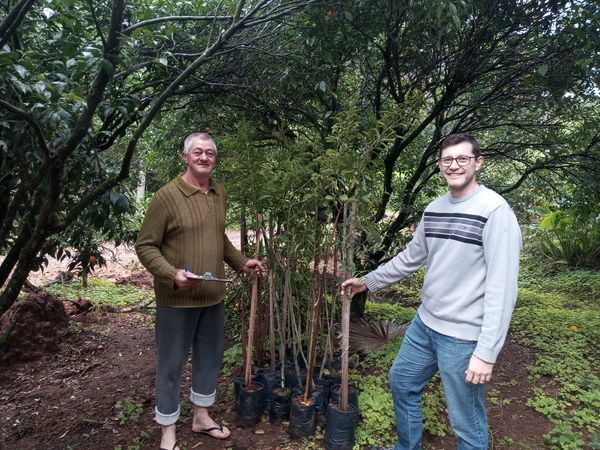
(423, 353)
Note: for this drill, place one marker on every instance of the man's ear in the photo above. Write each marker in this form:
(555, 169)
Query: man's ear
(478, 163)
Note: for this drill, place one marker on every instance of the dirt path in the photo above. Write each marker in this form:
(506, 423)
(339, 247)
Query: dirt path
(97, 391)
(86, 395)
(121, 261)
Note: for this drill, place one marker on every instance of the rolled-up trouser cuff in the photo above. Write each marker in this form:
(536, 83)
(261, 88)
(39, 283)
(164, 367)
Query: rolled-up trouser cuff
(202, 400)
(166, 419)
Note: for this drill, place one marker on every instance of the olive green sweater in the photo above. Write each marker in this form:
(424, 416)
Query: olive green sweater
(185, 227)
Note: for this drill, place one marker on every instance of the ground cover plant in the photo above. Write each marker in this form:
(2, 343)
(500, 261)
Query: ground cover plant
(558, 315)
(100, 293)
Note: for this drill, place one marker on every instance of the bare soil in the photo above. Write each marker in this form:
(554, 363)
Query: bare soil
(78, 386)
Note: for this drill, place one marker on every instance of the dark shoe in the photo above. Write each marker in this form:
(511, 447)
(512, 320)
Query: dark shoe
(209, 432)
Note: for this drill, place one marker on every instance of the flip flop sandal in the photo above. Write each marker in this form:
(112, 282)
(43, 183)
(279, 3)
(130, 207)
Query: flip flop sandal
(209, 432)
(175, 445)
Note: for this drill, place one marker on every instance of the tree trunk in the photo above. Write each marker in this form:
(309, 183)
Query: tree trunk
(141, 186)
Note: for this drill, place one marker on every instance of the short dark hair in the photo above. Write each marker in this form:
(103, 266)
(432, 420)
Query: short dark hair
(459, 138)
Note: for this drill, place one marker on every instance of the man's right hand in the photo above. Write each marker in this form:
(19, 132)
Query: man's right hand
(183, 282)
(356, 286)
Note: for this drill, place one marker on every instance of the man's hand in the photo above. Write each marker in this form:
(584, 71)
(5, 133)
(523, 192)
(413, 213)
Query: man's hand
(356, 286)
(479, 371)
(183, 282)
(253, 265)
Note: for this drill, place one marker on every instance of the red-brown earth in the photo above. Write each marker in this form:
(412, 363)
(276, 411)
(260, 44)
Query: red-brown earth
(83, 372)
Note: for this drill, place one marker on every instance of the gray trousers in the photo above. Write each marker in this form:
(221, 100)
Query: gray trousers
(177, 330)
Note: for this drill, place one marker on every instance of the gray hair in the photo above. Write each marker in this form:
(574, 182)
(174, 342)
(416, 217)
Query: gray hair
(203, 136)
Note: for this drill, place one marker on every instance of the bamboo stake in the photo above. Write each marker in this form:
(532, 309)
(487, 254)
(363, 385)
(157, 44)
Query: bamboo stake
(296, 342)
(260, 327)
(328, 350)
(271, 263)
(253, 305)
(244, 250)
(273, 258)
(346, 312)
(285, 315)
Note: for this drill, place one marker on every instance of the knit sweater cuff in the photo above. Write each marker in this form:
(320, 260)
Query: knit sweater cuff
(171, 278)
(371, 283)
(485, 354)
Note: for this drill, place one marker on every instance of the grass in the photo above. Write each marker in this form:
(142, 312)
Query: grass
(101, 292)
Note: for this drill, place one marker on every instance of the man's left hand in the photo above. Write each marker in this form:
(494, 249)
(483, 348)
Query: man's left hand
(479, 371)
(253, 265)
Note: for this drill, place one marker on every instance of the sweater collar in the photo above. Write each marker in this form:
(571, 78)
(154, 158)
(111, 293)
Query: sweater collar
(188, 190)
(479, 188)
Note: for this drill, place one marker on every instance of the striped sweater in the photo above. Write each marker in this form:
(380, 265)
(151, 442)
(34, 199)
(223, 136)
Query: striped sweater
(470, 247)
(185, 227)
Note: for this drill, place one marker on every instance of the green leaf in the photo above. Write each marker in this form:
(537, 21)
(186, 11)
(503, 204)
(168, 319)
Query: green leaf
(548, 221)
(39, 87)
(24, 88)
(107, 67)
(22, 71)
(543, 69)
(456, 22)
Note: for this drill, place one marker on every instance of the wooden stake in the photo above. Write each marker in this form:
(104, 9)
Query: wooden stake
(271, 263)
(346, 312)
(253, 306)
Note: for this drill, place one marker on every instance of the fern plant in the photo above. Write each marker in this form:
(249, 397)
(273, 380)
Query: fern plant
(570, 240)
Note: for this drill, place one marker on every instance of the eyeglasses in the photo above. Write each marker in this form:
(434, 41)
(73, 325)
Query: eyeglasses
(460, 160)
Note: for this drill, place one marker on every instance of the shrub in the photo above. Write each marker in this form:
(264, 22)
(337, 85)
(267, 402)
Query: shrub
(566, 239)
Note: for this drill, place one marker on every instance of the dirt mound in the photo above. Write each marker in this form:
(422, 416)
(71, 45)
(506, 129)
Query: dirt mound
(141, 279)
(34, 325)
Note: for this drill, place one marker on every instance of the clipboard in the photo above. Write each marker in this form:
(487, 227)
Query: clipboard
(207, 276)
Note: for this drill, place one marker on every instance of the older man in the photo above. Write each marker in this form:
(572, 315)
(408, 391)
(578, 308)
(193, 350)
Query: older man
(469, 241)
(184, 234)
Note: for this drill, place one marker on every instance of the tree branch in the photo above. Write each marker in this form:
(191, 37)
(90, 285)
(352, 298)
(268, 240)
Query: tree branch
(93, 11)
(155, 108)
(103, 76)
(13, 20)
(22, 114)
(127, 31)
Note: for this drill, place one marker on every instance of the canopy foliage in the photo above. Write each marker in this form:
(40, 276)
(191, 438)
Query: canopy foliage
(314, 105)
